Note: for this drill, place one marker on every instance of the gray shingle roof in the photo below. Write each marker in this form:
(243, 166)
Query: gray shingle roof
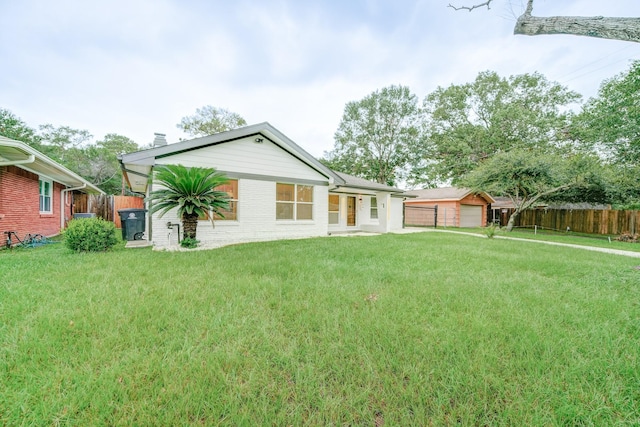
(354, 181)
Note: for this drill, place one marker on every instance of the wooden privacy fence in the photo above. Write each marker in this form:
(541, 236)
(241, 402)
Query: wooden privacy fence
(105, 207)
(582, 220)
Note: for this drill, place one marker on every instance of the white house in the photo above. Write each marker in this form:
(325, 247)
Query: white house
(277, 190)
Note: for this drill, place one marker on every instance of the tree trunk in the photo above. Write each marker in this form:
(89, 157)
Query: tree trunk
(512, 220)
(626, 29)
(189, 225)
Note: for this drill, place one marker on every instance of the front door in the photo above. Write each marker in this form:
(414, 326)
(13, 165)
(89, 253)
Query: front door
(351, 211)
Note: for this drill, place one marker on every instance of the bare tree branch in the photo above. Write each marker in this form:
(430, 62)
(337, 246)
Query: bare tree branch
(470, 8)
(626, 29)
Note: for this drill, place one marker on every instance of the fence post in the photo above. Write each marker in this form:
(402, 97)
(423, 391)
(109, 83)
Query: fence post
(435, 217)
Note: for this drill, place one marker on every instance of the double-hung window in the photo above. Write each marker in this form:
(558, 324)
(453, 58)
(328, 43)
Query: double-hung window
(374, 208)
(231, 188)
(46, 189)
(294, 201)
(334, 209)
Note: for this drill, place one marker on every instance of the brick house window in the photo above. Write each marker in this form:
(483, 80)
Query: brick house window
(46, 189)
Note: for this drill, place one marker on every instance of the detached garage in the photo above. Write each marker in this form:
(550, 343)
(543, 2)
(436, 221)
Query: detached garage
(457, 207)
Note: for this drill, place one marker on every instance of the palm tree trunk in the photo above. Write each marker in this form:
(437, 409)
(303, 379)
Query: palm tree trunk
(189, 225)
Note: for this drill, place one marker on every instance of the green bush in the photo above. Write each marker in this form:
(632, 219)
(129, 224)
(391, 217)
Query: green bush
(189, 243)
(491, 230)
(90, 235)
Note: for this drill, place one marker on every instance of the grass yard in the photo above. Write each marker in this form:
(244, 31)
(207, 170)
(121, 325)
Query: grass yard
(418, 329)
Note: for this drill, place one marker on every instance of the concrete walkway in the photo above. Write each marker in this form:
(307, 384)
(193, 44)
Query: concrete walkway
(569, 245)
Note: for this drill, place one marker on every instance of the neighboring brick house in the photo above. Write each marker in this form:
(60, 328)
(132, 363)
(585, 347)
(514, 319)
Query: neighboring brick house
(277, 190)
(457, 207)
(36, 193)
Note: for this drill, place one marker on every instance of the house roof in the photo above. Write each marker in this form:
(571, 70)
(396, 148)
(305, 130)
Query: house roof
(21, 155)
(356, 182)
(139, 163)
(445, 194)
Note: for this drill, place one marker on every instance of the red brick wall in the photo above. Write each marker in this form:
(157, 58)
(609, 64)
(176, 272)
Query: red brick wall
(20, 207)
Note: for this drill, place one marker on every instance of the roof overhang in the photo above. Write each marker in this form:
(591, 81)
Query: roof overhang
(19, 154)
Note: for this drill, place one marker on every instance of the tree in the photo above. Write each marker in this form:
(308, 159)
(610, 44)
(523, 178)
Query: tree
(528, 178)
(468, 124)
(626, 29)
(192, 191)
(64, 144)
(100, 163)
(377, 136)
(611, 120)
(209, 120)
(13, 127)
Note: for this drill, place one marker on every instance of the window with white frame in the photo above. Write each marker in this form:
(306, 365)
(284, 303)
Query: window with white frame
(374, 207)
(334, 209)
(46, 189)
(294, 201)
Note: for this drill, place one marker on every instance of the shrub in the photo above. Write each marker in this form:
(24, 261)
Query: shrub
(189, 243)
(90, 235)
(491, 230)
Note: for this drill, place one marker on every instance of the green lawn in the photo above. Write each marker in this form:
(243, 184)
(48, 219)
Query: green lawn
(582, 239)
(418, 329)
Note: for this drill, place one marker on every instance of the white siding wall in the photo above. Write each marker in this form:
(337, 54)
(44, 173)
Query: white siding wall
(256, 219)
(397, 206)
(247, 157)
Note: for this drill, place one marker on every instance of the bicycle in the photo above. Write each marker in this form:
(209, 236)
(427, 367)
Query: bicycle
(28, 241)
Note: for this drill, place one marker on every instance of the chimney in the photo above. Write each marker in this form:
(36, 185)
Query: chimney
(160, 140)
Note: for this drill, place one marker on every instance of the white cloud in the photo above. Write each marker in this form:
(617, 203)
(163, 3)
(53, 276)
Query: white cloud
(137, 67)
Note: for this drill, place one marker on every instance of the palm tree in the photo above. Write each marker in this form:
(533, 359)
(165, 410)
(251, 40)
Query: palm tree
(190, 190)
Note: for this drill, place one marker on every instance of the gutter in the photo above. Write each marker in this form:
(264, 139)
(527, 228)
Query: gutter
(29, 159)
(63, 195)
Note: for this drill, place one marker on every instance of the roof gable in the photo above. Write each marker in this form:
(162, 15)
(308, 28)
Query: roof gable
(445, 193)
(260, 131)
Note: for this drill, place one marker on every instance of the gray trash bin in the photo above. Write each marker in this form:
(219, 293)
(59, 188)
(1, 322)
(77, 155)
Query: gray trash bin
(133, 223)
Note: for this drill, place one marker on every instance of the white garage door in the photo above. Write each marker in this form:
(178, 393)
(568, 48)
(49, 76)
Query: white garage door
(470, 216)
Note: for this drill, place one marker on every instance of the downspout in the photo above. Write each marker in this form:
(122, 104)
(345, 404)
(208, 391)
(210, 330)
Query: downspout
(63, 194)
(29, 159)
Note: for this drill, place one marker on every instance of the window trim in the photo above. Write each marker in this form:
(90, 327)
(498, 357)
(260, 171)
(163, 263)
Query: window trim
(42, 198)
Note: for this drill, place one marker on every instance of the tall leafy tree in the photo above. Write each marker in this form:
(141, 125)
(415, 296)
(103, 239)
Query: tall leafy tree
(610, 124)
(11, 126)
(468, 124)
(100, 163)
(209, 120)
(611, 120)
(528, 178)
(378, 136)
(64, 144)
(192, 191)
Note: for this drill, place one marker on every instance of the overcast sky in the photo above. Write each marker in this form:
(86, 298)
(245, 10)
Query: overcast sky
(137, 67)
